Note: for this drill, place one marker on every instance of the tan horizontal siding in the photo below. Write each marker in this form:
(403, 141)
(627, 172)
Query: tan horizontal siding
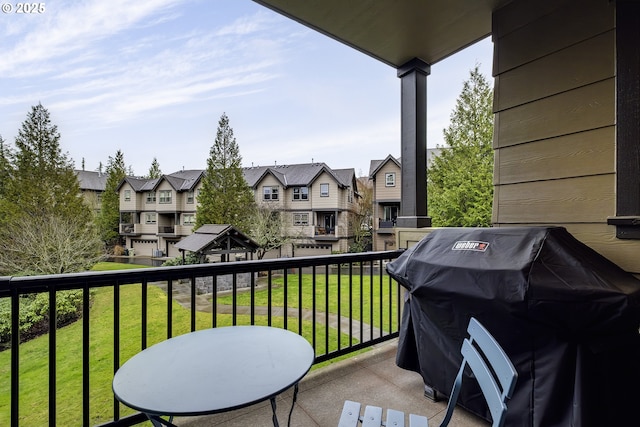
(561, 71)
(589, 107)
(569, 24)
(573, 200)
(601, 238)
(516, 15)
(579, 154)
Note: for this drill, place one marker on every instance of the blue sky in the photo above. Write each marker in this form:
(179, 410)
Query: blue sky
(152, 78)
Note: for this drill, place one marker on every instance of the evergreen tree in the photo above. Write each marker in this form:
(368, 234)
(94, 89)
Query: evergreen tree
(42, 212)
(225, 197)
(154, 170)
(109, 218)
(460, 179)
(6, 171)
(44, 180)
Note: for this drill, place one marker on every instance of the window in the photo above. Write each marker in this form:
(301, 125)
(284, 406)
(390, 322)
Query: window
(188, 219)
(301, 193)
(390, 179)
(190, 197)
(150, 218)
(324, 190)
(151, 197)
(270, 193)
(127, 195)
(300, 219)
(165, 196)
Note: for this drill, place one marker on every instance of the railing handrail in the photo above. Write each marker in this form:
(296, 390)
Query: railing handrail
(366, 323)
(66, 281)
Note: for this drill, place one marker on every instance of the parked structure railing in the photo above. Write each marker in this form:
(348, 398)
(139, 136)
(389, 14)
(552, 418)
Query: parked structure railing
(340, 303)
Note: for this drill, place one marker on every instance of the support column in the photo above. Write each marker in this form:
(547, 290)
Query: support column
(413, 206)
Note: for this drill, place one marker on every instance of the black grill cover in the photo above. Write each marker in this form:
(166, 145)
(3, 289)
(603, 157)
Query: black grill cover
(567, 317)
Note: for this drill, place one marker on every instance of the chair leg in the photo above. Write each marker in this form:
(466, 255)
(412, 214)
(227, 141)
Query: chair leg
(455, 391)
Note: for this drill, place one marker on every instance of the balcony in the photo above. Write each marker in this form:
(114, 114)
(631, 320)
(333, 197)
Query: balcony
(128, 229)
(324, 233)
(386, 227)
(64, 377)
(167, 230)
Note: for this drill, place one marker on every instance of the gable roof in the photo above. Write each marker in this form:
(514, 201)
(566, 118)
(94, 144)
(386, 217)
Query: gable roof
(376, 165)
(183, 180)
(303, 174)
(90, 180)
(217, 239)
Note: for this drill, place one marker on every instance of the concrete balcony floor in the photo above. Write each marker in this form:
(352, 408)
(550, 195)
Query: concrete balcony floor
(371, 378)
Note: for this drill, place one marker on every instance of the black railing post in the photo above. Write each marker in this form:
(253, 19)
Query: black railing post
(300, 305)
(169, 308)
(144, 295)
(52, 355)
(86, 392)
(15, 355)
(116, 342)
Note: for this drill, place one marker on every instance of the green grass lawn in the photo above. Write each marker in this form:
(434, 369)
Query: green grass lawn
(369, 299)
(34, 366)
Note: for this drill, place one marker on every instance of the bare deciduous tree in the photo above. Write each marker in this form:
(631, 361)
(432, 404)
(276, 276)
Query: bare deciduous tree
(268, 230)
(51, 245)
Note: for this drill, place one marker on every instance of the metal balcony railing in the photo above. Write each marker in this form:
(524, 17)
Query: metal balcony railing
(340, 303)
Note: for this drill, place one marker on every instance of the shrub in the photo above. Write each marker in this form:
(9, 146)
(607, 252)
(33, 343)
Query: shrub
(34, 314)
(190, 258)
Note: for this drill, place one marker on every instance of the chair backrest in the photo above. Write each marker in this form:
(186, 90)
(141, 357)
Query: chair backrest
(492, 368)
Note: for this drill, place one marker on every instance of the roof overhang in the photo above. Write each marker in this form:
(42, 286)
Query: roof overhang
(397, 31)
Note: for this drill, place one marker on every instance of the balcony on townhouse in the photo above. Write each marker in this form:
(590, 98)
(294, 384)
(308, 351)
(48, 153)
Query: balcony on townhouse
(129, 229)
(384, 225)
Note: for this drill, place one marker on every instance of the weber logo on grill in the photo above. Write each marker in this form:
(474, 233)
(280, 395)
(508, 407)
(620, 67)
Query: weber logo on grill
(470, 246)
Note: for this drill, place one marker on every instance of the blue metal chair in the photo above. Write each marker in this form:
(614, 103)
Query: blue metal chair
(488, 362)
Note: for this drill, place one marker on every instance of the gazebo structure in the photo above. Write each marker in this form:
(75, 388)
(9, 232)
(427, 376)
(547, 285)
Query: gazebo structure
(218, 239)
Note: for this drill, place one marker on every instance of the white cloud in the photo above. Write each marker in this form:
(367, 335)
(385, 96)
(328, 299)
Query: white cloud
(65, 30)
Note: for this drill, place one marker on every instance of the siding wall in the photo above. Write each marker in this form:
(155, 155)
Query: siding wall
(383, 193)
(554, 137)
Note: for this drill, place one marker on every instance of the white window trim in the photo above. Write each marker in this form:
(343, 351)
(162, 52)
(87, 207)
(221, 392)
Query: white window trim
(390, 179)
(165, 199)
(303, 219)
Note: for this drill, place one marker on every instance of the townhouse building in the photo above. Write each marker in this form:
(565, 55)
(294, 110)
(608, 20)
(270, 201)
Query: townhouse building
(156, 213)
(92, 186)
(317, 203)
(386, 176)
